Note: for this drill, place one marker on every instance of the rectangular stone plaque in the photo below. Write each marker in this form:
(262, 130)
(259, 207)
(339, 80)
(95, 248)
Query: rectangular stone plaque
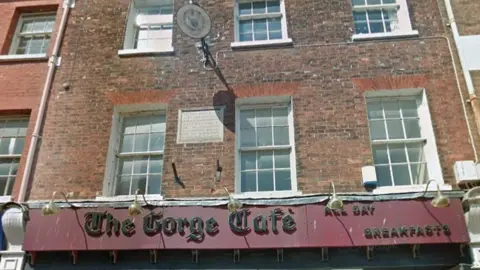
(200, 125)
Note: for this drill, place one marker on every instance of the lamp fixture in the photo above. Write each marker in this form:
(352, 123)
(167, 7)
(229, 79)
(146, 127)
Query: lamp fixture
(233, 204)
(135, 208)
(51, 208)
(334, 202)
(218, 172)
(440, 201)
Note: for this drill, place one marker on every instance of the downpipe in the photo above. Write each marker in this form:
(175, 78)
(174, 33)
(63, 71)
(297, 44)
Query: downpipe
(52, 65)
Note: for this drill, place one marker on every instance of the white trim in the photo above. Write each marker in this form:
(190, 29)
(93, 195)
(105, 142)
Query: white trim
(283, 14)
(4, 199)
(23, 57)
(128, 52)
(410, 188)
(426, 131)
(25, 17)
(261, 43)
(126, 198)
(359, 37)
(281, 101)
(267, 195)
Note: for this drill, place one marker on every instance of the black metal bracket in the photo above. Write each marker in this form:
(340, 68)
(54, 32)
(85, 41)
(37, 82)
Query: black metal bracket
(176, 177)
(279, 254)
(153, 256)
(325, 254)
(210, 60)
(236, 255)
(369, 253)
(195, 256)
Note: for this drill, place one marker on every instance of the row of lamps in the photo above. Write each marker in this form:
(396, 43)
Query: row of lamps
(135, 209)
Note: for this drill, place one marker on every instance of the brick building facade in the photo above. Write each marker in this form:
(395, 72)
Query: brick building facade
(352, 86)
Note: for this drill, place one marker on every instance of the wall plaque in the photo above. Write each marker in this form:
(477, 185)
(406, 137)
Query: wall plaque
(200, 125)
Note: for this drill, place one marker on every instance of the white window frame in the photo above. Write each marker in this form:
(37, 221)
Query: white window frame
(111, 167)
(239, 44)
(131, 30)
(5, 198)
(259, 103)
(403, 17)
(427, 135)
(16, 38)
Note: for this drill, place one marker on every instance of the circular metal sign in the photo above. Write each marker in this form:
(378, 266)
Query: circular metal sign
(194, 21)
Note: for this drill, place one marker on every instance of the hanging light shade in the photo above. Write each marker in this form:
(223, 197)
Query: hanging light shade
(440, 201)
(51, 208)
(334, 202)
(233, 204)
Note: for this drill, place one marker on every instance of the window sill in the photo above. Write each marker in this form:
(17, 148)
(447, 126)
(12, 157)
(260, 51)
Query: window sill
(267, 195)
(263, 43)
(360, 37)
(133, 52)
(408, 189)
(126, 198)
(4, 199)
(23, 57)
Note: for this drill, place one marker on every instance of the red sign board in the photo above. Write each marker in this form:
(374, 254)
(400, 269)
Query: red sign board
(314, 225)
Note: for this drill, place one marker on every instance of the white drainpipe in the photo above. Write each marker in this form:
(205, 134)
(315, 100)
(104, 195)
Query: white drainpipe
(456, 37)
(52, 64)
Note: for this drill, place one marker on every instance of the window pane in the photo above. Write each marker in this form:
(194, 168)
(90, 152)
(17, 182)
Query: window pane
(392, 110)
(140, 165)
(245, 8)
(401, 175)
(374, 15)
(361, 16)
(123, 186)
(247, 119)
(4, 146)
(265, 181)
(275, 35)
(265, 159)
(156, 141)
(273, 6)
(127, 143)
(5, 167)
(380, 155)
(283, 180)
(258, 7)
(16, 128)
(156, 165)
(125, 166)
(409, 108)
(397, 153)
(36, 45)
(377, 130)
(264, 136)
(154, 184)
(358, 2)
(361, 28)
(246, 37)
(141, 143)
(383, 176)
(245, 27)
(376, 27)
(395, 129)
(389, 1)
(129, 125)
(280, 116)
(39, 26)
(248, 161)
(14, 168)
(374, 110)
(49, 26)
(138, 182)
(260, 26)
(143, 124)
(282, 159)
(261, 36)
(19, 142)
(3, 185)
(10, 183)
(249, 181)
(412, 128)
(158, 123)
(374, 2)
(46, 41)
(415, 152)
(27, 26)
(247, 137)
(419, 173)
(281, 135)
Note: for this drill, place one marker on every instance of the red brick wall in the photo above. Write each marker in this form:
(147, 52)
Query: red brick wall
(327, 83)
(466, 16)
(21, 83)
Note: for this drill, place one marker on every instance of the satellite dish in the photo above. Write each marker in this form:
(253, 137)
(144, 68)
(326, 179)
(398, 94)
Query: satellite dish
(194, 21)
